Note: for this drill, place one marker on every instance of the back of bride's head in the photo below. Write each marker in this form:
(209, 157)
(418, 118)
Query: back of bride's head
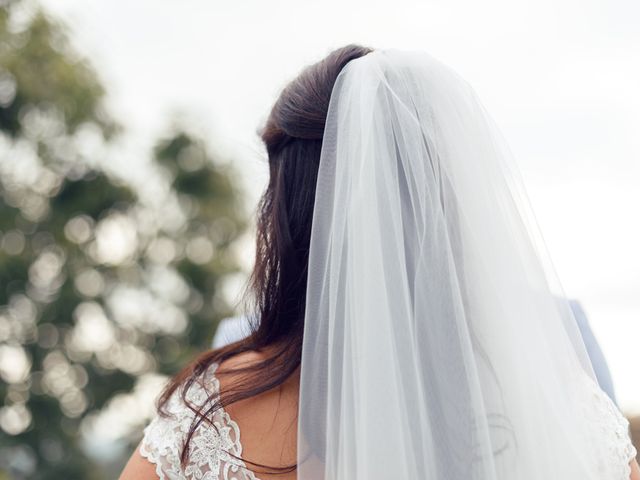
(300, 111)
(293, 138)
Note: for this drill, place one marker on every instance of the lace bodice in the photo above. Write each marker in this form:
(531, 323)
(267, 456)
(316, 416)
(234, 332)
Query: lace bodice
(214, 450)
(608, 424)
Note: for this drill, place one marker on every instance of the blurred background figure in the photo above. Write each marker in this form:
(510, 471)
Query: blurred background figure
(231, 330)
(599, 363)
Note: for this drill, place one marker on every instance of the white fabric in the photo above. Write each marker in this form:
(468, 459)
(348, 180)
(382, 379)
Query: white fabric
(434, 347)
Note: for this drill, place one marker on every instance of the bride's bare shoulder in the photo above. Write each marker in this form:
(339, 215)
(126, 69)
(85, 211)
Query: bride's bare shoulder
(267, 421)
(232, 375)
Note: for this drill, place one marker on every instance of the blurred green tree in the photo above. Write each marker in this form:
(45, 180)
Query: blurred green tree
(98, 287)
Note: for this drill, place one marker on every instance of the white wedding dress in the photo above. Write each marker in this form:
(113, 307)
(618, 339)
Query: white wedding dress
(214, 451)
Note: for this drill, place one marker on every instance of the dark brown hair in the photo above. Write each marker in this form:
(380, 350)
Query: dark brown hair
(277, 286)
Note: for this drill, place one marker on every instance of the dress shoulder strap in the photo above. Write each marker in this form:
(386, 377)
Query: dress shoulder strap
(215, 448)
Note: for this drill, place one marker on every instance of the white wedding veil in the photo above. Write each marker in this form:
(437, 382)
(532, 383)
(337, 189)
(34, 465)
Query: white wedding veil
(437, 343)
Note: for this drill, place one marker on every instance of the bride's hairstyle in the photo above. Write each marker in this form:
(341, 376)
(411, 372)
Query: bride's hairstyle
(277, 286)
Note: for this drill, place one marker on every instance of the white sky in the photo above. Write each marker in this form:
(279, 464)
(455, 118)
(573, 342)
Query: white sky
(560, 77)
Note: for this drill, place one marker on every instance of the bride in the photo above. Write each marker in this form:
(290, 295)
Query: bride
(408, 320)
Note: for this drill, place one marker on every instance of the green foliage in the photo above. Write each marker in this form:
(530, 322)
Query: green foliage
(98, 289)
(45, 71)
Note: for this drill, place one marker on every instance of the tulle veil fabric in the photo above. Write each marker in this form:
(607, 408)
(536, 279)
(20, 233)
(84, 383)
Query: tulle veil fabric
(437, 342)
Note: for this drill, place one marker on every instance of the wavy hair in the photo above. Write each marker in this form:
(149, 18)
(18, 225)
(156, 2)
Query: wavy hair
(277, 286)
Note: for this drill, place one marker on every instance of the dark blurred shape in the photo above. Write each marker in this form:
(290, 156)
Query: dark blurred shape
(97, 288)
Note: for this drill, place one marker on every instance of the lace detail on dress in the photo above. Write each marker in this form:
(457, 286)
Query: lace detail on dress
(607, 423)
(213, 451)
